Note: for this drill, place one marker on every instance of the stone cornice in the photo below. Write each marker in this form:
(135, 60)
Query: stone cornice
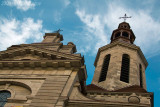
(132, 46)
(40, 63)
(115, 93)
(103, 103)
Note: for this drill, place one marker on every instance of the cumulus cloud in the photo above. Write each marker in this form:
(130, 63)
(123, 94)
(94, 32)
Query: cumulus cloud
(14, 32)
(101, 24)
(20, 4)
(94, 29)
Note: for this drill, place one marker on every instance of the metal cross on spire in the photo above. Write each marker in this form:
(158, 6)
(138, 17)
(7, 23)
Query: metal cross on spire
(125, 17)
(57, 31)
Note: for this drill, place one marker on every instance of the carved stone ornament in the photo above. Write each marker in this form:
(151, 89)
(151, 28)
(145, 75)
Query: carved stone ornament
(134, 99)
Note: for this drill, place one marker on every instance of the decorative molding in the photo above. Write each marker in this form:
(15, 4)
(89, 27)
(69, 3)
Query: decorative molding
(41, 64)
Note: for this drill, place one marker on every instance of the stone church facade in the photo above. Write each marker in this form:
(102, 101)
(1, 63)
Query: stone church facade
(50, 74)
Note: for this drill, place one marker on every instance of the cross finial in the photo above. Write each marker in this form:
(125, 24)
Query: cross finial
(57, 31)
(125, 17)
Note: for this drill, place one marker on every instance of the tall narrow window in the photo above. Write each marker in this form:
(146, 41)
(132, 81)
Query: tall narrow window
(3, 97)
(140, 75)
(125, 68)
(104, 68)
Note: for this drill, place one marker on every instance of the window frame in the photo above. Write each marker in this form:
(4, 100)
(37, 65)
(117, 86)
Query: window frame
(104, 68)
(125, 68)
(4, 94)
(140, 75)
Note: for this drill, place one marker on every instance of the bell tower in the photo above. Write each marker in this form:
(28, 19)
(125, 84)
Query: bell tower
(121, 63)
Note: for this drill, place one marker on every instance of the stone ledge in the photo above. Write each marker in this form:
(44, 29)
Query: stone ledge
(41, 64)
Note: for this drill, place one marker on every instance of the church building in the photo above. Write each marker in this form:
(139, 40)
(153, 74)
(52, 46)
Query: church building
(50, 74)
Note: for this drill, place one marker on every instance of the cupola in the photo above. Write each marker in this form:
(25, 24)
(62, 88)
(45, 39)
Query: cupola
(123, 33)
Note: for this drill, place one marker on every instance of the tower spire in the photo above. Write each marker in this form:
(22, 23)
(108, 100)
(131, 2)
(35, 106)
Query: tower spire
(125, 17)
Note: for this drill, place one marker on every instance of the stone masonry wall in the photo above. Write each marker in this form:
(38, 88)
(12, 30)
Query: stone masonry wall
(37, 87)
(112, 81)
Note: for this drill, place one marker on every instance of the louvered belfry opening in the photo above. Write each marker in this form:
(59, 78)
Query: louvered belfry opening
(125, 68)
(104, 68)
(140, 74)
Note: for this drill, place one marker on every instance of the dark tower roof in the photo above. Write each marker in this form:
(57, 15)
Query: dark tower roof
(123, 33)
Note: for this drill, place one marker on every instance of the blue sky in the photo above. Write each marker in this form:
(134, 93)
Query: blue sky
(88, 24)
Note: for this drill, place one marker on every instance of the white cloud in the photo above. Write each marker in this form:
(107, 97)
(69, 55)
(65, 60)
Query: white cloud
(66, 2)
(14, 32)
(145, 27)
(100, 24)
(57, 16)
(94, 29)
(20, 4)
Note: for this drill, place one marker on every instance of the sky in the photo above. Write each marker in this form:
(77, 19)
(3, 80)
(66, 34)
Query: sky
(88, 24)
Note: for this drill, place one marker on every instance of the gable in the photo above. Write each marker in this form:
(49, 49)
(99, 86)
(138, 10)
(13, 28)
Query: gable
(36, 53)
(26, 57)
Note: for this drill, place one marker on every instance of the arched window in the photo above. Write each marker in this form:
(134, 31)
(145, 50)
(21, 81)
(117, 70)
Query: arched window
(125, 68)
(140, 75)
(104, 68)
(125, 34)
(3, 97)
(117, 34)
